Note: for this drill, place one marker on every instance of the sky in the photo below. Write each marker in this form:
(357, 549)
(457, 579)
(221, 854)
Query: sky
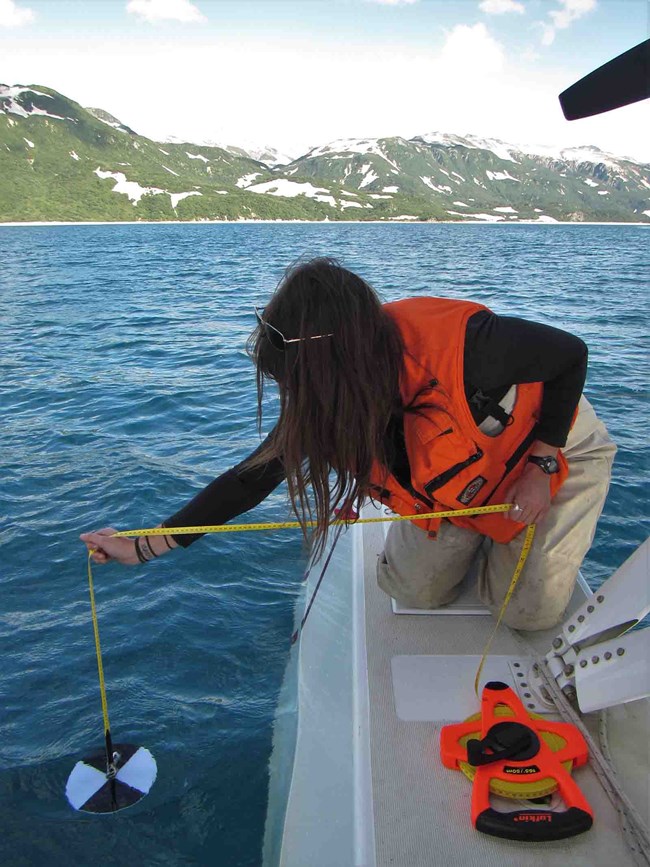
(295, 74)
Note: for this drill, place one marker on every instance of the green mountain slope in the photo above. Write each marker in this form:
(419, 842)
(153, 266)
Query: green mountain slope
(62, 162)
(483, 177)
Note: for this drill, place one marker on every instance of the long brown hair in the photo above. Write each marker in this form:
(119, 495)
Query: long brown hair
(337, 393)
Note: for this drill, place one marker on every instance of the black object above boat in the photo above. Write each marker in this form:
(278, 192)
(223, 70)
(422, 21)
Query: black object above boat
(621, 81)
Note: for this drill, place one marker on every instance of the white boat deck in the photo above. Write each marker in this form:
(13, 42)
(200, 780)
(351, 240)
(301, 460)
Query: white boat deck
(368, 788)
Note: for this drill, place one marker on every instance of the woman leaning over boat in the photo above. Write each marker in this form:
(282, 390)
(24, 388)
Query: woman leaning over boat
(427, 404)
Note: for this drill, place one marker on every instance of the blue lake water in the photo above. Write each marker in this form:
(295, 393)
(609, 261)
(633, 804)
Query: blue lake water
(125, 389)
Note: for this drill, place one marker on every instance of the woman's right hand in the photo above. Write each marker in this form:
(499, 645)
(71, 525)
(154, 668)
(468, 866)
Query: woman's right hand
(107, 548)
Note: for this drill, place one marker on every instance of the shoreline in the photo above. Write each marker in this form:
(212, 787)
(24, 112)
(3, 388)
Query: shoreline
(322, 223)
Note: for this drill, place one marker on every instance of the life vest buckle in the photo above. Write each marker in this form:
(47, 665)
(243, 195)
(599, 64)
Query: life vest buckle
(484, 405)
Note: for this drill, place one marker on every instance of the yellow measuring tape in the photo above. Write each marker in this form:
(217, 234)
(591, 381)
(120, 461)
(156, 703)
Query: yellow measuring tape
(285, 525)
(528, 541)
(98, 649)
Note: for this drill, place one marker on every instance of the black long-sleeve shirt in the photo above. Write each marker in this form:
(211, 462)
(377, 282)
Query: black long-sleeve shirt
(500, 351)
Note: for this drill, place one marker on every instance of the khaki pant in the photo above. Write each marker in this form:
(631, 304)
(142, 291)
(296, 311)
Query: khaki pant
(421, 572)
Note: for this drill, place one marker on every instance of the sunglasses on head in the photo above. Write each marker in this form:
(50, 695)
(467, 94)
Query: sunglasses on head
(277, 339)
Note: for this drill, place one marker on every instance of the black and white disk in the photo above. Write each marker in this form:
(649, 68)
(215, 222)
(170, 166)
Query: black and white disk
(91, 790)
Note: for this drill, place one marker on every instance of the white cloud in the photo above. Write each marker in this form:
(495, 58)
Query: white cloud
(471, 51)
(165, 10)
(499, 7)
(569, 11)
(14, 16)
(469, 83)
(392, 2)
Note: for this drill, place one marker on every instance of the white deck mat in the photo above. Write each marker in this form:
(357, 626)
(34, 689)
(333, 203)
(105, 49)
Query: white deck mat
(467, 603)
(421, 685)
(421, 809)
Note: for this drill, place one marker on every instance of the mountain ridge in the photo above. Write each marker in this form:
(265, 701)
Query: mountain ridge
(65, 162)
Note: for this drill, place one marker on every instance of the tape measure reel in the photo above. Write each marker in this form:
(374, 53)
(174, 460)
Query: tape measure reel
(517, 788)
(508, 752)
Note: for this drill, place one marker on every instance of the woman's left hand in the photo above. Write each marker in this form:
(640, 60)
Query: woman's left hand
(531, 494)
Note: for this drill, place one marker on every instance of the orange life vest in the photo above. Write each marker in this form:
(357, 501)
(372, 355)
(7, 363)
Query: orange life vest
(454, 465)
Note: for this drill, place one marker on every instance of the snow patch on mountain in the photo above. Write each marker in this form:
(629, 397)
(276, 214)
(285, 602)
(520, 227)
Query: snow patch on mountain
(131, 189)
(110, 120)
(585, 154)
(351, 146)
(441, 138)
(197, 157)
(486, 218)
(9, 104)
(346, 146)
(500, 149)
(41, 112)
(134, 191)
(11, 91)
(177, 197)
(283, 187)
(435, 187)
(111, 123)
(247, 180)
(500, 176)
(369, 178)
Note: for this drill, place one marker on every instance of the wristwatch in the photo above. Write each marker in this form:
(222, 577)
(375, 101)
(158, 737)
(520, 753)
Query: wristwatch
(549, 465)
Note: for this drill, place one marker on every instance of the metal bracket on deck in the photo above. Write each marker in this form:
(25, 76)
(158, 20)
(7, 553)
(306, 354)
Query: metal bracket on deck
(591, 659)
(528, 686)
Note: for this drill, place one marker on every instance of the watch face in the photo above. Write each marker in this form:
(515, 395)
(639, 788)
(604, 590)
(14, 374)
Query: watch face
(548, 464)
